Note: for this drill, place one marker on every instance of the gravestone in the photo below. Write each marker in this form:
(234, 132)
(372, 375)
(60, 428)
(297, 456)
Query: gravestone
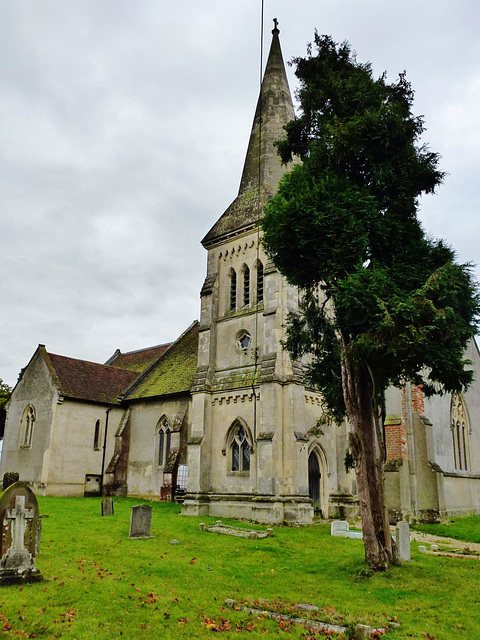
(339, 528)
(403, 540)
(140, 521)
(19, 525)
(107, 507)
(9, 478)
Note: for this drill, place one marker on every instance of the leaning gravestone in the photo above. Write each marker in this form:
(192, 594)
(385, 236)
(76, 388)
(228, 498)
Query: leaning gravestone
(20, 526)
(141, 521)
(107, 507)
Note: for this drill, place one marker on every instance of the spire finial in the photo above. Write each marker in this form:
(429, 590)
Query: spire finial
(275, 28)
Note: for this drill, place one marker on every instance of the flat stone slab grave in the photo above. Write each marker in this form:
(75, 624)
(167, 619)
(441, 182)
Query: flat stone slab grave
(361, 631)
(140, 521)
(226, 530)
(20, 527)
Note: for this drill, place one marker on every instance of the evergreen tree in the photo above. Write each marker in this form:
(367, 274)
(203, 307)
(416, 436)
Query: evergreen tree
(383, 304)
(5, 393)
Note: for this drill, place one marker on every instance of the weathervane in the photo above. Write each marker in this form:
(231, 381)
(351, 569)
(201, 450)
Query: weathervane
(275, 29)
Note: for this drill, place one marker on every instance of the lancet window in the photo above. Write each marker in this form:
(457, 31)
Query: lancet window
(460, 432)
(164, 442)
(96, 436)
(259, 282)
(233, 290)
(246, 286)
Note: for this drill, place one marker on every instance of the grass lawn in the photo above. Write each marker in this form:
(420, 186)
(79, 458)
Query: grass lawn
(100, 585)
(467, 529)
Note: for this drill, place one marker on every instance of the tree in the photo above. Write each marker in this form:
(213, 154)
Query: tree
(5, 393)
(383, 304)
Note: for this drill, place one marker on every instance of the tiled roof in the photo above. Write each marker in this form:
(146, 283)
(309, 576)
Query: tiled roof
(175, 370)
(85, 380)
(138, 361)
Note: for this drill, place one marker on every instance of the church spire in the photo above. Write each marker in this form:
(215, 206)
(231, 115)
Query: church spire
(262, 163)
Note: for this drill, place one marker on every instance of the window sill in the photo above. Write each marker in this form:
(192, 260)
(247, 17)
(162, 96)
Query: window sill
(241, 474)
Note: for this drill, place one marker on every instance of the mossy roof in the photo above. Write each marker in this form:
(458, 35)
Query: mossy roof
(173, 372)
(138, 361)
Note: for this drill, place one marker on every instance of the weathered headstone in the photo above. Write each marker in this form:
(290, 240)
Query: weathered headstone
(107, 507)
(9, 478)
(339, 528)
(19, 525)
(140, 521)
(363, 632)
(403, 540)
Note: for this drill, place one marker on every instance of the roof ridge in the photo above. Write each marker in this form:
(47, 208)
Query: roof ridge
(97, 364)
(156, 346)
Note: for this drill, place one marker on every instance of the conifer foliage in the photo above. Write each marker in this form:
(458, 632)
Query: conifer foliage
(382, 303)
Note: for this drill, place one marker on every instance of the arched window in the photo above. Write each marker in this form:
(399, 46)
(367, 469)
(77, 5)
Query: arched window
(239, 446)
(164, 440)
(96, 436)
(246, 286)
(259, 282)
(460, 432)
(233, 290)
(28, 421)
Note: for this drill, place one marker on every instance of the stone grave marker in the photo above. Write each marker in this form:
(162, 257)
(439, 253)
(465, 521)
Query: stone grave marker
(339, 528)
(20, 535)
(107, 507)
(140, 521)
(403, 540)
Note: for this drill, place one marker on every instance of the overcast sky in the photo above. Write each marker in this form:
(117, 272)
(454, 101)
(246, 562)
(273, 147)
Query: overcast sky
(123, 130)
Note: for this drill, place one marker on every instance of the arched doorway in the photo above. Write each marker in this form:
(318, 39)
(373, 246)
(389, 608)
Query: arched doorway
(314, 483)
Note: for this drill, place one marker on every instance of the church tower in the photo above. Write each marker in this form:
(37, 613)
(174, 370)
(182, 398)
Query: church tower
(249, 454)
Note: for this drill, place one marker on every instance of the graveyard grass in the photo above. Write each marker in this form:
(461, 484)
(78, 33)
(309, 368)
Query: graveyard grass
(102, 585)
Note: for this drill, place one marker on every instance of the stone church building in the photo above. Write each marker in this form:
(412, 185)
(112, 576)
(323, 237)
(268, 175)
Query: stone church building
(222, 416)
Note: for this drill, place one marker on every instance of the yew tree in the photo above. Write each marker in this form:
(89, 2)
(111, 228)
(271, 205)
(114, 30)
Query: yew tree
(382, 302)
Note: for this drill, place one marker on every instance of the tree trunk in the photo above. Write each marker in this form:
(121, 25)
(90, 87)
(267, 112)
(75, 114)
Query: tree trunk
(380, 550)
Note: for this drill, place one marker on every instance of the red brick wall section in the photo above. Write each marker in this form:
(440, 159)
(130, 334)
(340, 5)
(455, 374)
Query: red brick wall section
(418, 400)
(395, 439)
(395, 430)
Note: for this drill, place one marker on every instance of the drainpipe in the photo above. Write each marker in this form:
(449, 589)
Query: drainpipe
(104, 449)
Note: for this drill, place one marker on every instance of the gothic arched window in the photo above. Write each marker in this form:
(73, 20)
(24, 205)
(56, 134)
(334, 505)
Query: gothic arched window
(233, 290)
(460, 432)
(96, 436)
(239, 445)
(259, 282)
(28, 421)
(164, 439)
(246, 285)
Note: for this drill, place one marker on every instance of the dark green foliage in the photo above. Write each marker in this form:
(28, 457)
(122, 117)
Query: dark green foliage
(5, 393)
(343, 227)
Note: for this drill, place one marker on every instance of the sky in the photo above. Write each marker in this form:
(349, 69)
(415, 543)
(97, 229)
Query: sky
(123, 131)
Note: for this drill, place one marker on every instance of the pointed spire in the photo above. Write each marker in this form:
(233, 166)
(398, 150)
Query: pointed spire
(274, 110)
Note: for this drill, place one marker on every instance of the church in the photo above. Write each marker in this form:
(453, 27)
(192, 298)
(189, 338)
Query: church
(222, 418)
